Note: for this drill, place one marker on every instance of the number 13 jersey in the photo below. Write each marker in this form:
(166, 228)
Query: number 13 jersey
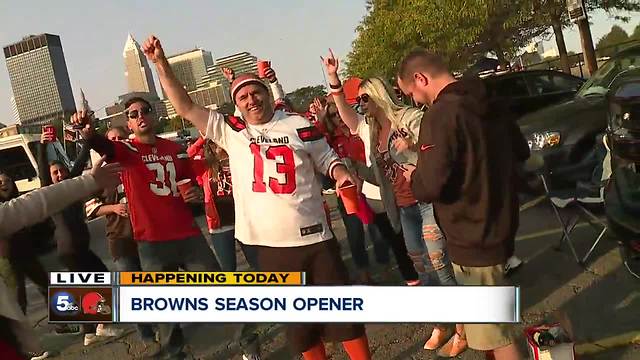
(274, 166)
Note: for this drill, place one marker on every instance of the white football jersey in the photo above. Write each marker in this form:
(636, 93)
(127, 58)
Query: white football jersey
(278, 198)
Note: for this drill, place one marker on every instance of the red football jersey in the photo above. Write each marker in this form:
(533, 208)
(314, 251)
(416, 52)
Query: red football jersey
(156, 209)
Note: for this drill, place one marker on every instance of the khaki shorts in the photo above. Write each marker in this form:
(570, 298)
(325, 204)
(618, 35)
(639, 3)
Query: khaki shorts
(484, 336)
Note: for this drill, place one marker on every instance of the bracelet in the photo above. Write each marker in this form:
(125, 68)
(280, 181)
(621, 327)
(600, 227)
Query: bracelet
(339, 86)
(337, 91)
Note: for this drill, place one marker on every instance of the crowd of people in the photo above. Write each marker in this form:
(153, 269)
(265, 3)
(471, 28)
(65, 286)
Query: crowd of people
(436, 186)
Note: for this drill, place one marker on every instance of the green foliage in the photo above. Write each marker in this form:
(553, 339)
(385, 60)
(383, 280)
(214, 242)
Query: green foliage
(459, 30)
(302, 97)
(636, 33)
(606, 44)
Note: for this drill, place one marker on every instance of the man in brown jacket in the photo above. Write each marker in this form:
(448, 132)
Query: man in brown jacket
(469, 149)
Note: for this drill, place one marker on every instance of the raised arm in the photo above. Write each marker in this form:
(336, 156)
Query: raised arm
(81, 161)
(39, 204)
(276, 88)
(43, 164)
(348, 115)
(185, 107)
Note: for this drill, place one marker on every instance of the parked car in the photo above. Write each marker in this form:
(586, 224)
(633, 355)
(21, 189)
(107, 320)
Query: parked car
(18, 158)
(565, 133)
(528, 91)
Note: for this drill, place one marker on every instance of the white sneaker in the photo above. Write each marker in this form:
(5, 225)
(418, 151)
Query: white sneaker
(251, 357)
(110, 331)
(41, 355)
(512, 264)
(329, 191)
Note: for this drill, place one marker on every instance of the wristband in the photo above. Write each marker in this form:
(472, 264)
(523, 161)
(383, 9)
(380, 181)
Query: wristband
(337, 91)
(339, 86)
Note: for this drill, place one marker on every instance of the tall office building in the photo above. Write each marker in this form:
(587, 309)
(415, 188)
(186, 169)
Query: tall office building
(241, 63)
(39, 80)
(136, 68)
(212, 95)
(14, 110)
(190, 67)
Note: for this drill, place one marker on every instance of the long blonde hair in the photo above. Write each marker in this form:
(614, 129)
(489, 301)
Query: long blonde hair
(384, 96)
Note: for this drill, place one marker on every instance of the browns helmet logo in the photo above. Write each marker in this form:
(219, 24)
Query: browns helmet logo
(94, 304)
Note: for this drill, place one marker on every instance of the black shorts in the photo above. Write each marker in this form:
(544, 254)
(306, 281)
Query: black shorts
(323, 266)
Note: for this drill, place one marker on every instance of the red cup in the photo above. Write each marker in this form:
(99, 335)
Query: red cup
(51, 131)
(263, 65)
(184, 186)
(349, 196)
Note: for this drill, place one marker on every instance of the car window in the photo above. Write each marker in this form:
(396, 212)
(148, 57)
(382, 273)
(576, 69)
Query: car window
(566, 83)
(15, 162)
(542, 84)
(511, 87)
(599, 83)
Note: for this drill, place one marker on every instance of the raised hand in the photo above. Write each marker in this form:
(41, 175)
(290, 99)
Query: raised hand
(270, 74)
(331, 64)
(83, 119)
(228, 73)
(107, 176)
(46, 137)
(153, 49)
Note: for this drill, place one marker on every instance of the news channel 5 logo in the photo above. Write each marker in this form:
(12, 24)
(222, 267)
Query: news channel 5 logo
(92, 303)
(64, 303)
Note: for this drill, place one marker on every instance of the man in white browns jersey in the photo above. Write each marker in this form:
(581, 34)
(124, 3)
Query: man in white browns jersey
(273, 157)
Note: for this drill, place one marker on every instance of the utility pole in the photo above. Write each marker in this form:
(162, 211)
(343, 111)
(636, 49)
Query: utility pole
(578, 14)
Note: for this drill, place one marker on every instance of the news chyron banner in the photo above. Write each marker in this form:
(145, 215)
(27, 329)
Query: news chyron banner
(269, 297)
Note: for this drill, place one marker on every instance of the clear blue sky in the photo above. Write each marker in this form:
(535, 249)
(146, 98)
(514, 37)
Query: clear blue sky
(290, 33)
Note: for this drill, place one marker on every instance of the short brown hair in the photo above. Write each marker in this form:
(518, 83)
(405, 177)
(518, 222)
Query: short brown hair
(421, 60)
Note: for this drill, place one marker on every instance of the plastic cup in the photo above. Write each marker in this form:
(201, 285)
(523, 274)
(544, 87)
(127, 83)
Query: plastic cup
(349, 196)
(184, 186)
(263, 65)
(50, 130)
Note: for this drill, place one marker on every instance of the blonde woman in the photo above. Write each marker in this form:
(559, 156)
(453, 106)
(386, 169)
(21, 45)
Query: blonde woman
(391, 129)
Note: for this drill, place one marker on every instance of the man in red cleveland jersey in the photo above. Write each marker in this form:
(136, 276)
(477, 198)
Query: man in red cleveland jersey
(163, 225)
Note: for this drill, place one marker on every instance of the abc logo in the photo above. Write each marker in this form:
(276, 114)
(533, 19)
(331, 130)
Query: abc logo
(64, 303)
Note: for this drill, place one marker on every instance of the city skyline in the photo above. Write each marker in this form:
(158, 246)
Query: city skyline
(290, 34)
(136, 68)
(39, 79)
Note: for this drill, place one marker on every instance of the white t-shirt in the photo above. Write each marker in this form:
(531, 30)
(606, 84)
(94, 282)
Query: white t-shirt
(278, 199)
(369, 190)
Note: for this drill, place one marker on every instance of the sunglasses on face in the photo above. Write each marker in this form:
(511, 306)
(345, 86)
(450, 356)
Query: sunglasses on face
(364, 98)
(134, 114)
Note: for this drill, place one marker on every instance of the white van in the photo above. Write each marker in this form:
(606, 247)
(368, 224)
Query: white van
(19, 159)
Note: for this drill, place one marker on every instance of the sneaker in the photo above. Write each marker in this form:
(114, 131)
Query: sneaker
(151, 350)
(90, 339)
(251, 357)
(512, 264)
(329, 192)
(66, 329)
(454, 347)
(108, 331)
(41, 355)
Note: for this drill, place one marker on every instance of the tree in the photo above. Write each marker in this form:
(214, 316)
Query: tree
(636, 33)
(302, 97)
(460, 31)
(554, 13)
(616, 36)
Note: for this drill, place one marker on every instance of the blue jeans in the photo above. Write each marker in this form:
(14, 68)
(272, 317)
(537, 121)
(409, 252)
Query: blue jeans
(191, 254)
(356, 238)
(132, 263)
(426, 245)
(224, 246)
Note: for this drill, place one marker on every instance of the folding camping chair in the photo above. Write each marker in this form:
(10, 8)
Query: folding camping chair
(568, 224)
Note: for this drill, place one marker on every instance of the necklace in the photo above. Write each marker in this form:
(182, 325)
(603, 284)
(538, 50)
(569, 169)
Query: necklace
(263, 132)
